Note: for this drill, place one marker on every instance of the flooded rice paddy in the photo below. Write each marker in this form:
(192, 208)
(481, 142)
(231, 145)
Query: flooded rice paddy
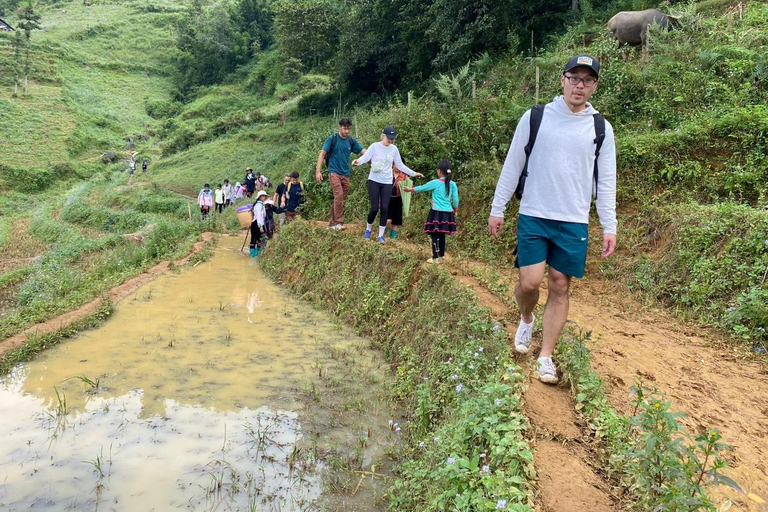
(209, 389)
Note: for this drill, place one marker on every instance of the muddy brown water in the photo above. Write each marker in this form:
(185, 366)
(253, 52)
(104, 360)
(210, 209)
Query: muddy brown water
(208, 389)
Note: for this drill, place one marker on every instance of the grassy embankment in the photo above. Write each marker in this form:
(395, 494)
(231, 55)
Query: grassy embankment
(466, 440)
(64, 212)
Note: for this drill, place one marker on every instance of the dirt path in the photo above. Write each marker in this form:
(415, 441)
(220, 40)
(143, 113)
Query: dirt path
(716, 384)
(713, 382)
(116, 294)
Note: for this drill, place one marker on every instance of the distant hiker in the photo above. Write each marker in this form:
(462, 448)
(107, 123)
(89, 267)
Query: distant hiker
(250, 182)
(396, 202)
(132, 164)
(294, 197)
(257, 224)
(574, 153)
(205, 201)
(442, 216)
(269, 223)
(218, 197)
(238, 191)
(380, 180)
(280, 199)
(227, 188)
(144, 166)
(335, 153)
(262, 182)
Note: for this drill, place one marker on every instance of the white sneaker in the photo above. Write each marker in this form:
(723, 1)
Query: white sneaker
(523, 336)
(547, 370)
(336, 227)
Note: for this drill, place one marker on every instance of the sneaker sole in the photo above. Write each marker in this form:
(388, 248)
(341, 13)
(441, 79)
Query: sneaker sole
(522, 349)
(548, 379)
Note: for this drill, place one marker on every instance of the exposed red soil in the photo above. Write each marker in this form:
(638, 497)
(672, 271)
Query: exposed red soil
(116, 294)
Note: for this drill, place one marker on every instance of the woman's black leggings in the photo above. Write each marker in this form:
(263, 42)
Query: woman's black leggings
(438, 244)
(379, 195)
(255, 235)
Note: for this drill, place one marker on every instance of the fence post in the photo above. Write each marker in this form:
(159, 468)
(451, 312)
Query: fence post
(354, 119)
(474, 89)
(536, 98)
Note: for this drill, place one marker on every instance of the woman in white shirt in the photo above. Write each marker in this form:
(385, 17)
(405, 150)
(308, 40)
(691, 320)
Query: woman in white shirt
(382, 155)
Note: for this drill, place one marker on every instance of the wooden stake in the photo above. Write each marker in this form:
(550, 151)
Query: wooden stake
(409, 99)
(354, 119)
(474, 89)
(536, 97)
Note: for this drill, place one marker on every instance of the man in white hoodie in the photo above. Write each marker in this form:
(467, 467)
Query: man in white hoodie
(554, 209)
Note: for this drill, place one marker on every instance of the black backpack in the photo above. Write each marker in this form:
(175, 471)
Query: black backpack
(537, 112)
(333, 146)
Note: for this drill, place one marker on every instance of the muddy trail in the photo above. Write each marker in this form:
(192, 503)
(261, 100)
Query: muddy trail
(713, 382)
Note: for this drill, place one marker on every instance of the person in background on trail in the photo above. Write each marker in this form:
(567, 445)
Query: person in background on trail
(279, 199)
(568, 158)
(132, 163)
(382, 156)
(250, 182)
(396, 203)
(269, 223)
(227, 189)
(238, 191)
(335, 153)
(144, 166)
(218, 197)
(205, 201)
(294, 198)
(259, 216)
(442, 216)
(262, 182)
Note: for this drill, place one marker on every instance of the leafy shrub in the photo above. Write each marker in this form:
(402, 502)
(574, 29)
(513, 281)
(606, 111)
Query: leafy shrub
(161, 109)
(317, 103)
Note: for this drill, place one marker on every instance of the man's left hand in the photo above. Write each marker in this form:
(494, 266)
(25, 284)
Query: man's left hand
(609, 244)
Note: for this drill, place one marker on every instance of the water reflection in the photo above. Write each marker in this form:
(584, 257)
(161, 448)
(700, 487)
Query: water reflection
(191, 396)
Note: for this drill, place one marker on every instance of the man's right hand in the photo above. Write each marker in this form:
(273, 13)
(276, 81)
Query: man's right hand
(495, 225)
(319, 177)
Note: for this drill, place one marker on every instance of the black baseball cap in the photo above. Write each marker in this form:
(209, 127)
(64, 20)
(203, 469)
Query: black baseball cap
(389, 131)
(583, 61)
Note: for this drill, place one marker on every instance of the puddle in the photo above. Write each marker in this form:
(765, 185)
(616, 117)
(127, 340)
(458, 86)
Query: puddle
(209, 389)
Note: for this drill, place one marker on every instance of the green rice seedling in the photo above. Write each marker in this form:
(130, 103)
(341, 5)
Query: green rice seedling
(61, 403)
(93, 386)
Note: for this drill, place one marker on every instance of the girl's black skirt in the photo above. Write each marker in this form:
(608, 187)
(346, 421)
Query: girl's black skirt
(440, 222)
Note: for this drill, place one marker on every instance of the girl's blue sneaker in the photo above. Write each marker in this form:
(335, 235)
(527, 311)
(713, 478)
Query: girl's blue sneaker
(253, 253)
(367, 234)
(380, 240)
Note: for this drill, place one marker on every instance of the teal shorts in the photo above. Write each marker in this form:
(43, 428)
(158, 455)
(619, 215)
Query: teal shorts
(563, 245)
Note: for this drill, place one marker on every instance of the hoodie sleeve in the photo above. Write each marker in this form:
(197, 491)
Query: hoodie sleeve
(512, 168)
(606, 182)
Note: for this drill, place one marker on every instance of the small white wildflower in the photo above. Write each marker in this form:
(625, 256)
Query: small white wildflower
(486, 469)
(454, 377)
(498, 402)
(390, 422)
(477, 354)
(480, 349)
(471, 366)
(451, 460)
(397, 429)
(501, 504)
(437, 439)
(482, 455)
(422, 444)
(459, 388)
(496, 328)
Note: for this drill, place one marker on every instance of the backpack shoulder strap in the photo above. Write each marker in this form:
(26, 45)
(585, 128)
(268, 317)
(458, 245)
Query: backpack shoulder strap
(537, 113)
(599, 138)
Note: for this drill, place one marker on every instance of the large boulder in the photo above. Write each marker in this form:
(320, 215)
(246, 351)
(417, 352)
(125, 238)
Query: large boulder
(108, 157)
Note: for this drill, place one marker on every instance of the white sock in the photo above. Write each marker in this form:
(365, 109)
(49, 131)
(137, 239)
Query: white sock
(368, 227)
(381, 230)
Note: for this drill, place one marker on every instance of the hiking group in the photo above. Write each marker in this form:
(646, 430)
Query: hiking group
(561, 154)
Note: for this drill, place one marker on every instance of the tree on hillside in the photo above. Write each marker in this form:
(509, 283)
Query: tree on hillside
(29, 20)
(7, 6)
(307, 30)
(254, 19)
